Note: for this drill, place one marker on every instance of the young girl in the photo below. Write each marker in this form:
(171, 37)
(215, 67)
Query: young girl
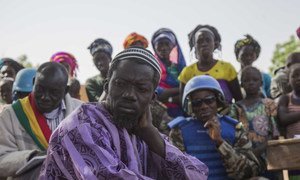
(171, 61)
(204, 39)
(101, 51)
(256, 113)
(247, 51)
(289, 104)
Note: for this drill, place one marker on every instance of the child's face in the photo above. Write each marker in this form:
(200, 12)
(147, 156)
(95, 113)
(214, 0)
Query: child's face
(163, 48)
(294, 77)
(251, 82)
(8, 71)
(205, 44)
(6, 91)
(293, 58)
(101, 61)
(247, 56)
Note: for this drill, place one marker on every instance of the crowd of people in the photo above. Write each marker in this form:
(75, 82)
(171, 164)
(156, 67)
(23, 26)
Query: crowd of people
(149, 115)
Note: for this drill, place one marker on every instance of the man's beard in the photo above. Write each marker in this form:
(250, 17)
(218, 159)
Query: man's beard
(125, 121)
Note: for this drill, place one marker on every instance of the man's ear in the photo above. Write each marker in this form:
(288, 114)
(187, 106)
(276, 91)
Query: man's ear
(105, 86)
(154, 96)
(67, 89)
(33, 80)
(217, 44)
(261, 83)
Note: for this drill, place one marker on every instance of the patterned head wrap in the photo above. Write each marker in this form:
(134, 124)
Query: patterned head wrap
(100, 45)
(139, 54)
(298, 32)
(7, 79)
(10, 62)
(164, 33)
(175, 57)
(134, 37)
(68, 58)
(248, 41)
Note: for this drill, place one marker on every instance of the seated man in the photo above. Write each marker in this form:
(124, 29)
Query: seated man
(115, 139)
(26, 125)
(218, 141)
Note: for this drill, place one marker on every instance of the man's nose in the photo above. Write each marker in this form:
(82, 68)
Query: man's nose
(45, 95)
(129, 93)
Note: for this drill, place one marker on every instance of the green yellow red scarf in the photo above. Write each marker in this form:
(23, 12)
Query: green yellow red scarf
(33, 121)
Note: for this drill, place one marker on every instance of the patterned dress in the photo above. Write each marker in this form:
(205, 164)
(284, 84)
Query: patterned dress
(259, 120)
(260, 124)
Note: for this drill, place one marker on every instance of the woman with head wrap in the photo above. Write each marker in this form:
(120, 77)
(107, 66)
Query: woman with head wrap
(203, 41)
(9, 67)
(101, 50)
(70, 63)
(247, 51)
(67, 60)
(171, 61)
(135, 39)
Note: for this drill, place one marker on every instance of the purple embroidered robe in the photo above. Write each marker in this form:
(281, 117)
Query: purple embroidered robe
(87, 145)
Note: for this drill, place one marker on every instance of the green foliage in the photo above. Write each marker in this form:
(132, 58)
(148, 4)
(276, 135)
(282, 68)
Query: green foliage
(24, 61)
(282, 51)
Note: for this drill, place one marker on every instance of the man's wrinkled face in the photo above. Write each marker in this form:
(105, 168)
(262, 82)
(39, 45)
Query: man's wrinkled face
(49, 90)
(130, 90)
(204, 104)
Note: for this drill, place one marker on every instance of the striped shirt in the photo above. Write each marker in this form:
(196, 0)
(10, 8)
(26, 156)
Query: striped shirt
(56, 116)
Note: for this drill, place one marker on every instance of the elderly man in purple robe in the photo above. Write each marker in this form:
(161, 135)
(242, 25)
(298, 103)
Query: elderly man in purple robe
(115, 139)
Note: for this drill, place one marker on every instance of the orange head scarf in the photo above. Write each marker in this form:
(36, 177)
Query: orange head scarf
(134, 37)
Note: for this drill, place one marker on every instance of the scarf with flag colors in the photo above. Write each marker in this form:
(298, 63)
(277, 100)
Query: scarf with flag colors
(33, 121)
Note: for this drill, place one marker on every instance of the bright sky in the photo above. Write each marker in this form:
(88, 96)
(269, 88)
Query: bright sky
(40, 28)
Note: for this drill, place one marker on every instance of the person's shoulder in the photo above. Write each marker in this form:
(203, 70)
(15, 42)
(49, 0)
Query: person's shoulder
(224, 62)
(283, 99)
(266, 76)
(94, 78)
(232, 121)
(268, 101)
(90, 106)
(225, 65)
(6, 112)
(178, 121)
(75, 101)
(80, 115)
(191, 66)
(279, 70)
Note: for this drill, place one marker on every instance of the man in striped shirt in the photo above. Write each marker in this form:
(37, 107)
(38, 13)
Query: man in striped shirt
(27, 124)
